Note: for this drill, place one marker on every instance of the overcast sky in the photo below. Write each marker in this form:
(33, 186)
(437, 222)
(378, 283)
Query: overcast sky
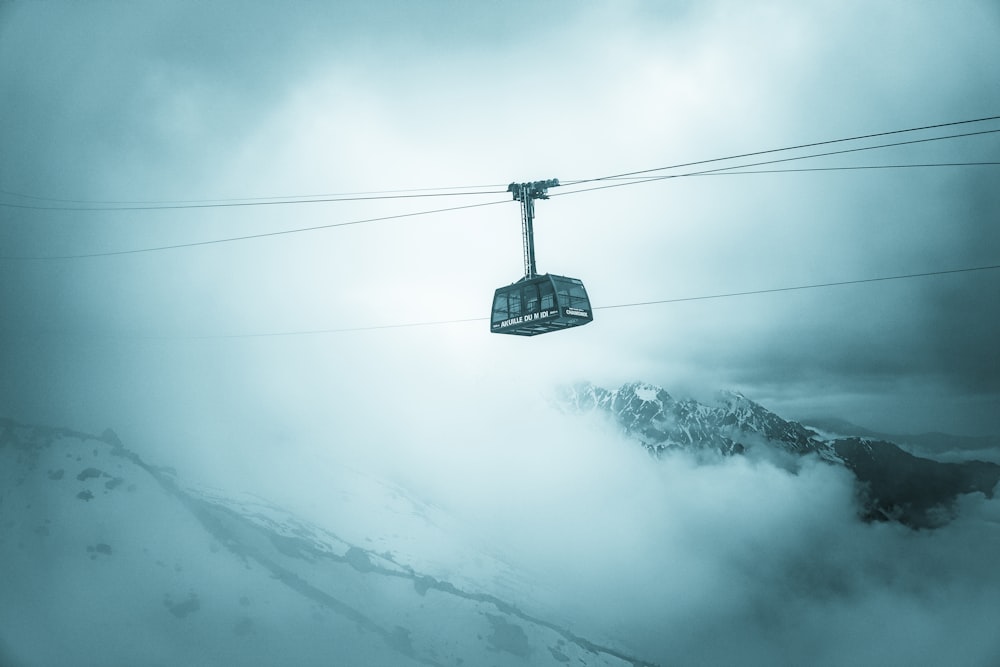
(174, 101)
(189, 101)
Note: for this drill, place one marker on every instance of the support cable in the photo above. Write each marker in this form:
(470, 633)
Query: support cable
(773, 290)
(431, 323)
(276, 201)
(246, 237)
(787, 148)
(633, 177)
(96, 202)
(94, 205)
(757, 164)
(854, 168)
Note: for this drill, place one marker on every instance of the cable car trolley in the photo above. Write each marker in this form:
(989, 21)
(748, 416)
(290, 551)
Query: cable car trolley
(537, 304)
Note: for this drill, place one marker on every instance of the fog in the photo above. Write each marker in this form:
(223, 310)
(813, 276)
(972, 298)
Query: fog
(221, 360)
(737, 560)
(175, 102)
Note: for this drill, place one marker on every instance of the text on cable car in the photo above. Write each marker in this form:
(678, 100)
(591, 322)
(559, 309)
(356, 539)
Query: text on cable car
(529, 317)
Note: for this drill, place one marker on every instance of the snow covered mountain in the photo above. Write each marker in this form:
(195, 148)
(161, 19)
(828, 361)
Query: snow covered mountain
(661, 423)
(892, 483)
(110, 561)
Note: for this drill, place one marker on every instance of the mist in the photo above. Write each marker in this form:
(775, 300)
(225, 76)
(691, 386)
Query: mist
(737, 560)
(304, 366)
(180, 103)
(733, 560)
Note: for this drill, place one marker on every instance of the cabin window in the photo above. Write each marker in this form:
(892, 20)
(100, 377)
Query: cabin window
(514, 304)
(531, 298)
(548, 296)
(572, 294)
(500, 308)
(578, 297)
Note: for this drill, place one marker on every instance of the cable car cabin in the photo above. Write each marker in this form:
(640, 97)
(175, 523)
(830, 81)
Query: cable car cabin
(540, 304)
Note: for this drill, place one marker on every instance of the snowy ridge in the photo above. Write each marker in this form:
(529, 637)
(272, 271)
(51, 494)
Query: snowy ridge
(229, 576)
(892, 484)
(739, 413)
(660, 422)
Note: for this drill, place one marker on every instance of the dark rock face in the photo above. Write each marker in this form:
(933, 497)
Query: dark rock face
(892, 484)
(916, 491)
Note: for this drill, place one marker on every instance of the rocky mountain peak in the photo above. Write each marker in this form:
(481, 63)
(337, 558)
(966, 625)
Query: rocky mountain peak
(660, 422)
(893, 483)
(746, 416)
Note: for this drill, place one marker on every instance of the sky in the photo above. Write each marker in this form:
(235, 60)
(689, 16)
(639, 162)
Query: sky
(130, 105)
(177, 102)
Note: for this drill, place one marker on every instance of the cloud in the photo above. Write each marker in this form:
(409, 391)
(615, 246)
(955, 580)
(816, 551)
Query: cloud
(740, 560)
(743, 559)
(177, 101)
(371, 96)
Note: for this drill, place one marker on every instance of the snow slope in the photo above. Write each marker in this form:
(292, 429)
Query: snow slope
(108, 560)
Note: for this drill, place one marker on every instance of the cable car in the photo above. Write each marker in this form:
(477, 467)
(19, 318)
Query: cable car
(538, 304)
